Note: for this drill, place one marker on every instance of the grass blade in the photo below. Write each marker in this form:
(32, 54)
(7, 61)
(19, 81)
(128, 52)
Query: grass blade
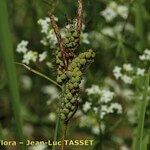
(7, 53)
(141, 118)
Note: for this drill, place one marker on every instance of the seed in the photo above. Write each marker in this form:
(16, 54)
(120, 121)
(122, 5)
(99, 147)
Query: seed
(63, 76)
(73, 107)
(75, 84)
(73, 80)
(66, 111)
(83, 61)
(70, 86)
(59, 80)
(69, 96)
(88, 55)
(68, 105)
(73, 100)
(63, 117)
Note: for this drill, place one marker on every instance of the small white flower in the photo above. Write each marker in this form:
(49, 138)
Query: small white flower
(86, 106)
(49, 64)
(95, 110)
(30, 56)
(26, 82)
(122, 11)
(127, 67)
(22, 47)
(109, 14)
(51, 91)
(52, 116)
(117, 72)
(106, 96)
(93, 90)
(96, 130)
(126, 79)
(44, 41)
(140, 72)
(145, 56)
(117, 107)
(44, 24)
(84, 38)
(108, 31)
(42, 56)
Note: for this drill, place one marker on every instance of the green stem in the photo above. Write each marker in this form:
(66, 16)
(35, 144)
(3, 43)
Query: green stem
(56, 130)
(7, 55)
(39, 73)
(139, 24)
(141, 118)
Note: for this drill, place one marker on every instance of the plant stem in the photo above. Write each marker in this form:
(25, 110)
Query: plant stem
(64, 135)
(56, 130)
(79, 16)
(40, 74)
(141, 118)
(8, 58)
(139, 24)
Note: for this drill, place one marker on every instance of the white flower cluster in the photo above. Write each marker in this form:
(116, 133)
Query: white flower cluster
(90, 122)
(145, 56)
(104, 103)
(127, 73)
(109, 109)
(49, 37)
(22, 46)
(29, 55)
(113, 10)
(115, 30)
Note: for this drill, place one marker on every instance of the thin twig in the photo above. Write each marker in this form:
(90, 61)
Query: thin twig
(39, 73)
(79, 16)
(59, 38)
(64, 135)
